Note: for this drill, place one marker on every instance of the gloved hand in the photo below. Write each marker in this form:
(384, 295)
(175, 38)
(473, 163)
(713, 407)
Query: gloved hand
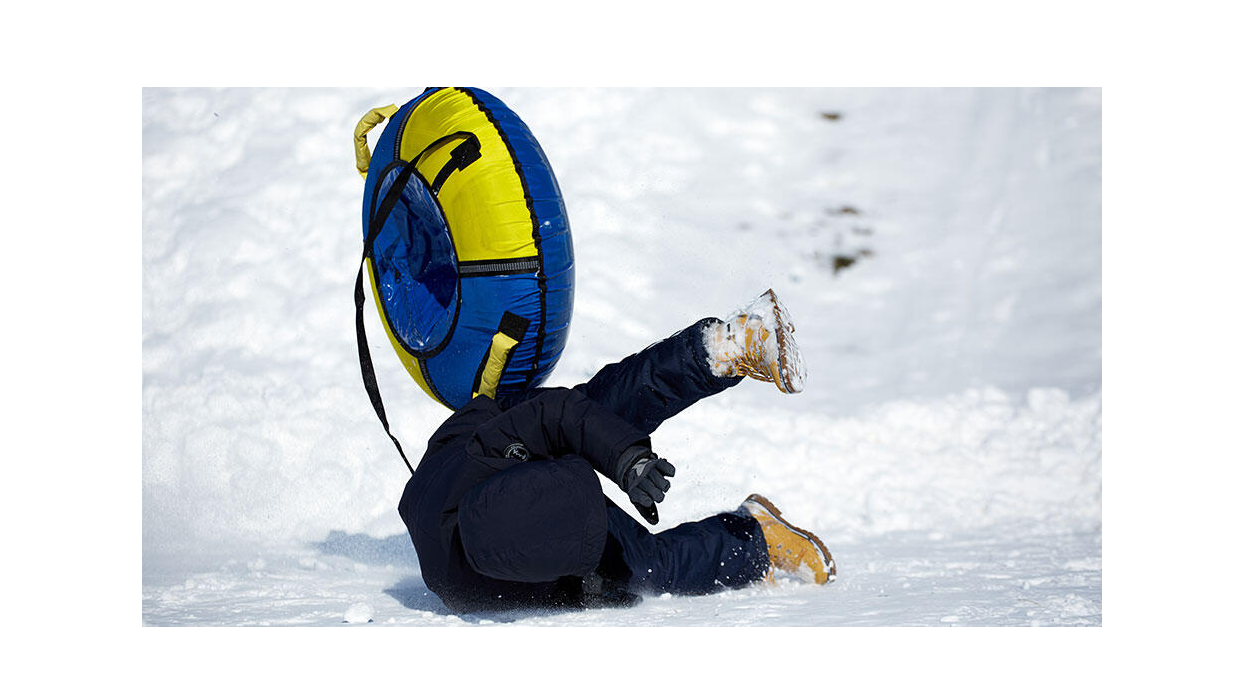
(644, 481)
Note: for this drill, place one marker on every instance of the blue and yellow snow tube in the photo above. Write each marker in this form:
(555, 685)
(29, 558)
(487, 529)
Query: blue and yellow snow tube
(467, 247)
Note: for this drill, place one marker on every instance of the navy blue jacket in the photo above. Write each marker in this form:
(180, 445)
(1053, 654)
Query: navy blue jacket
(494, 531)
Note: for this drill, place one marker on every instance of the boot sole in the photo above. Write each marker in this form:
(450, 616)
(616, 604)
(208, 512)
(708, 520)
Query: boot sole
(815, 540)
(788, 378)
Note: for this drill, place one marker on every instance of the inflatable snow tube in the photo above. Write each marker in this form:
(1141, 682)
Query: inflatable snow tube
(467, 247)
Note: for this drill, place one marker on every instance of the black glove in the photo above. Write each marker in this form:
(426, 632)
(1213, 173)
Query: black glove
(644, 480)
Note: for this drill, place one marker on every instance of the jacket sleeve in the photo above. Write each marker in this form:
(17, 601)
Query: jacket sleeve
(555, 423)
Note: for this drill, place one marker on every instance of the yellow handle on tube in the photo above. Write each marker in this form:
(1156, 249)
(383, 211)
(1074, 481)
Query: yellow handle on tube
(366, 124)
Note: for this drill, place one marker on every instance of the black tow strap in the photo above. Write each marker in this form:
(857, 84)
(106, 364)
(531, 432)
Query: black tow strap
(463, 155)
(362, 342)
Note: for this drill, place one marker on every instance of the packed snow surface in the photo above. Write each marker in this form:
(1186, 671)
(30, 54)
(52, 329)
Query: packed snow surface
(939, 251)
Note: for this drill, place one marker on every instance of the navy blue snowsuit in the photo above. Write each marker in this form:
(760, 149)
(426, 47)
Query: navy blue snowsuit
(493, 531)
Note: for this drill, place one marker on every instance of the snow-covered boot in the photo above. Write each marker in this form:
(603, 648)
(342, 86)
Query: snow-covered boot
(790, 548)
(757, 341)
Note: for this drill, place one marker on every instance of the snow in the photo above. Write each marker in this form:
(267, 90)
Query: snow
(939, 250)
(358, 613)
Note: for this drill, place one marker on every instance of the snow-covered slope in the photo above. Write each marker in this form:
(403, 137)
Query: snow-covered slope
(940, 251)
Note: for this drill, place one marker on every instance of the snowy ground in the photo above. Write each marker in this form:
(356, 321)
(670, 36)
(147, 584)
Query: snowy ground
(948, 446)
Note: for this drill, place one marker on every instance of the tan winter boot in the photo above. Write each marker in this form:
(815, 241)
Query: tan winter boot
(790, 548)
(758, 342)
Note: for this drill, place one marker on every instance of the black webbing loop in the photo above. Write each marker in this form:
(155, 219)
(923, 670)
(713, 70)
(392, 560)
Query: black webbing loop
(464, 154)
(362, 343)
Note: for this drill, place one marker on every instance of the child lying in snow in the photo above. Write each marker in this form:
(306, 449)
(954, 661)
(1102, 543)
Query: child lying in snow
(505, 511)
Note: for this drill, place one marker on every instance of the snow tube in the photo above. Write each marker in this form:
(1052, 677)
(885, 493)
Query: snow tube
(467, 247)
